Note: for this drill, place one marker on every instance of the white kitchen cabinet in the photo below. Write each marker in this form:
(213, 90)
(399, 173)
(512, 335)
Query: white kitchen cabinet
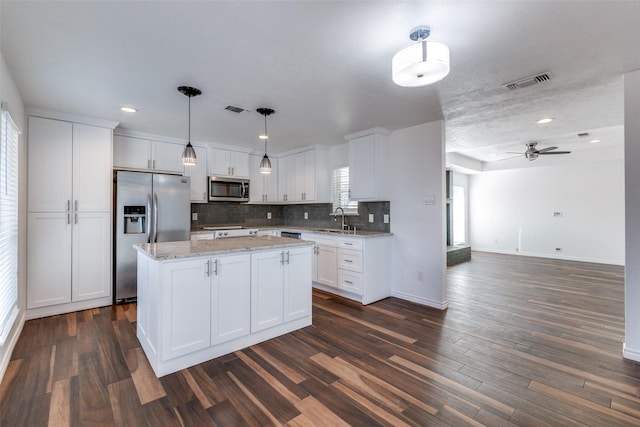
(186, 296)
(280, 288)
(304, 177)
(264, 186)
(69, 215)
(368, 176)
(230, 297)
(199, 176)
(324, 267)
(144, 154)
(228, 163)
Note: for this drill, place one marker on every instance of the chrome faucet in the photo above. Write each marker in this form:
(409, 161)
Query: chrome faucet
(342, 216)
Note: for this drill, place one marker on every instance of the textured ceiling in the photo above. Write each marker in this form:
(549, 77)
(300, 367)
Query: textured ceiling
(324, 66)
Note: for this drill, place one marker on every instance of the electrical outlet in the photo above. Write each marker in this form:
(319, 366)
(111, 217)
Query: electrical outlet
(370, 217)
(558, 249)
(429, 199)
(386, 218)
(306, 215)
(268, 215)
(194, 216)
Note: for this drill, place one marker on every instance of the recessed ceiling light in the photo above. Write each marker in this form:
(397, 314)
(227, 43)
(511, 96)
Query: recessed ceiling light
(129, 109)
(545, 120)
(594, 141)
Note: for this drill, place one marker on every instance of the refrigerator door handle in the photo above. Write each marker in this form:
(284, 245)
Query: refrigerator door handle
(149, 226)
(155, 217)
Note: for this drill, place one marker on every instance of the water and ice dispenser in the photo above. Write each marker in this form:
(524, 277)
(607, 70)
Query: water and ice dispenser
(135, 220)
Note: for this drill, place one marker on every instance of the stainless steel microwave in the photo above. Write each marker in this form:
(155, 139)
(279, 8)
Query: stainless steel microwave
(225, 189)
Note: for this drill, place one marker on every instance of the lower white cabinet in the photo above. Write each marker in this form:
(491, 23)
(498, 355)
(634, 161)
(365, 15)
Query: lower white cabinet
(280, 287)
(207, 301)
(353, 267)
(69, 257)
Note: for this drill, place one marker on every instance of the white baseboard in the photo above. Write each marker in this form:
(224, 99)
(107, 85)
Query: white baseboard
(11, 344)
(631, 354)
(440, 305)
(550, 256)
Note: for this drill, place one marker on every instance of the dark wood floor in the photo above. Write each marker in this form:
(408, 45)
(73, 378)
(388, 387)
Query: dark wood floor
(525, 341)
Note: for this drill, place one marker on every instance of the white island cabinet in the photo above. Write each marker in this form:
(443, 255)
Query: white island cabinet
(201, 299)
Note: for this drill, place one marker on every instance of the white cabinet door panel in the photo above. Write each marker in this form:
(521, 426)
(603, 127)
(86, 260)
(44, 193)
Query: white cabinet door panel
(230, 298)
(327, 265)
(50, 165)
(131, 153)
(91, 261)
(167, 157)
(267, 290)
(187, 307)
(48, 255)
(297, 283)
(92, 173)
(198, 174)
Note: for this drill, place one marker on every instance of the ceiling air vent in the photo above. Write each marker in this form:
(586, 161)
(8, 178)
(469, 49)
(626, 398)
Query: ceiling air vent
(235, 109)
(528, 81)
(583, 134)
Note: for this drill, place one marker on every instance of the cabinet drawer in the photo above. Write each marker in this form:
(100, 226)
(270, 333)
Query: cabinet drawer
(351, 282)
(347, 243)
(350, 260)
(201, 236)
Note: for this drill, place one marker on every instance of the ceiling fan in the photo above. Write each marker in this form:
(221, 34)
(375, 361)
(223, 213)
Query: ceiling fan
(532, 152)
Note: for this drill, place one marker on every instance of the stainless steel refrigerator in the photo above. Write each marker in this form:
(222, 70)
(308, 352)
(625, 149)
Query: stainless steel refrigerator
(148, 208)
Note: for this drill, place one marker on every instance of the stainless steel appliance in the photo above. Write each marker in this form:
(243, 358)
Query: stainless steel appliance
(225, 189)
(291, 234)
(148, 208)
(226, 232)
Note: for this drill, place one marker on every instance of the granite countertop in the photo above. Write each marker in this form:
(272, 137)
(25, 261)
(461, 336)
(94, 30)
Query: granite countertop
(327, 231)
(202, 248)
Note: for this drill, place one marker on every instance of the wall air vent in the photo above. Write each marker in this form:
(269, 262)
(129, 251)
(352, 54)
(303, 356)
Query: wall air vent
(528, 81)
(583, 134)
(235, 109)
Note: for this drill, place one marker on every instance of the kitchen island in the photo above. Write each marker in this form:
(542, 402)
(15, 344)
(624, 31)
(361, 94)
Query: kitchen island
(202, 299)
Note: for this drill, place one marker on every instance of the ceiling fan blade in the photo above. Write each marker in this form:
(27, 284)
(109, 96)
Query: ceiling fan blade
(514, 152)
(544, 150)
(512, 157)
(555, 152)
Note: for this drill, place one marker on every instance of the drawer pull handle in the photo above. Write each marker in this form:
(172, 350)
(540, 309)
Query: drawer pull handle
(347, 260)
(349, 282)
(348, 244)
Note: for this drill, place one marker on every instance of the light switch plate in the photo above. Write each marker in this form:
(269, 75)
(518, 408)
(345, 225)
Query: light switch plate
(306, 215)
(268, 215)
(370, 217)
(386, 218)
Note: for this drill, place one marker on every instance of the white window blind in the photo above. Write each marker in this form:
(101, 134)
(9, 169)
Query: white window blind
(340, 191)
(8, 223)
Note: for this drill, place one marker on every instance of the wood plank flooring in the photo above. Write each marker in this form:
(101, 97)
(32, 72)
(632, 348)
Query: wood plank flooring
(525, 341)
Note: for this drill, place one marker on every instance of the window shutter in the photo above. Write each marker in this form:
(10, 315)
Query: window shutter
(340, 192)
(8, 223)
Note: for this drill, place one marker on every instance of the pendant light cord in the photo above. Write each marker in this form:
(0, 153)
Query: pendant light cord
(189, 132)
(265, 134)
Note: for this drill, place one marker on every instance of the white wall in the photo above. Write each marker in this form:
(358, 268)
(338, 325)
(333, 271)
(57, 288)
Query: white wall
(631, 348)
(9, 94)
(513, 211)
(416, 169)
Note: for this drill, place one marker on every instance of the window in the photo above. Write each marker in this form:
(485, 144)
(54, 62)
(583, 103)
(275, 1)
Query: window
(459, 216)
(8, 223)
(340, 191)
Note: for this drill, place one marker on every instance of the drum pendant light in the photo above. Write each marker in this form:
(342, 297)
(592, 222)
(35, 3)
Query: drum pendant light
(265, 164)
(422, 63)
(189, 154)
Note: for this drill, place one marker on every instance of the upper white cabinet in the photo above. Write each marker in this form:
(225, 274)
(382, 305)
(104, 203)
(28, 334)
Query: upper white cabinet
(228, 163)
(198, 174)
(145, 154)
(264, 186)
(304, 177)
(69, 213)
(368, 176)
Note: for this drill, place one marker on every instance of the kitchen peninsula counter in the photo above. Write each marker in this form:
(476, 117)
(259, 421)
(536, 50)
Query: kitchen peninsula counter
(198, 300)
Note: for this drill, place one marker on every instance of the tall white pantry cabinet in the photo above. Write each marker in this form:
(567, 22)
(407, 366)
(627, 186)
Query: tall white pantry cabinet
(69, 199)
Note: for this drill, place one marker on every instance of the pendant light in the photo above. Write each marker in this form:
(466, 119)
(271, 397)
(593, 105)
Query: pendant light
(189, 154)
(422, 63)
(265, 164)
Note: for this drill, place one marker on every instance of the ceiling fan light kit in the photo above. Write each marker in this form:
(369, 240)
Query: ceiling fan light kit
(422, 63)
(533, 153)
(189, 154)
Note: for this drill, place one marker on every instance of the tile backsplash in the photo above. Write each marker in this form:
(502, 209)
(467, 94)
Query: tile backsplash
(318, 214)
